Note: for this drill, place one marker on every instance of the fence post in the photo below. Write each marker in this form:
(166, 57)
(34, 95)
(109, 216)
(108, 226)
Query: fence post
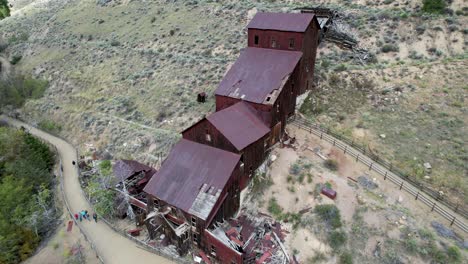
(321, 134)
(401, 185)
(346, 147)
(385, 177)
(370, 166)
(417, 195)
(310, 130)
(453, 221)
(357, 158)
(333, 142)
(352, 143)
(456, 207)
(432, 209)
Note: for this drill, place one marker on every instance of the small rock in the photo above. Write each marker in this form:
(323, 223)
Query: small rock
(273, 158)
(400, 199)
(427, 177)
(383, 136)
(427, 166)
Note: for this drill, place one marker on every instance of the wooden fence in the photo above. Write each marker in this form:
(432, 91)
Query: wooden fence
(433, 199)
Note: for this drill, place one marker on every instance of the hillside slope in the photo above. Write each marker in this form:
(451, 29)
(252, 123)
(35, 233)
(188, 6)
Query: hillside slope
(124, 74)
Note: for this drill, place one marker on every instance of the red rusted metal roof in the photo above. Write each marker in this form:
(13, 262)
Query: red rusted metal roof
(296, 22)
(188, 168)
(123, 169)
(257, 73)
(240, 124)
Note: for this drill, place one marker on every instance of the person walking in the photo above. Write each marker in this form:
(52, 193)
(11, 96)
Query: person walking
(95, 217)
(76, 216)
(81, 217)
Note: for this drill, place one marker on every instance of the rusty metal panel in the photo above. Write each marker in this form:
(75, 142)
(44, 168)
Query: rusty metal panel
(188, 168)
(297, 22)
(257, 73)
(124, 169)
(240, 124)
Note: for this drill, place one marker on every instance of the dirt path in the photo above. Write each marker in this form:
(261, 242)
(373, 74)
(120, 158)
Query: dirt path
(112, 247)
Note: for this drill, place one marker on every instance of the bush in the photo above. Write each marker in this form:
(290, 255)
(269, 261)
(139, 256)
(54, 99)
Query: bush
(295, 169)
(15, 90)
(4, 9)
(274, 208)
(15, 59)
(389, 48)
(115, 43)
(434, 6)
(411, 245)
(331, 164)
(454, 254)
(330, 214)
(50, 126)
(337, 239)
(346, 258)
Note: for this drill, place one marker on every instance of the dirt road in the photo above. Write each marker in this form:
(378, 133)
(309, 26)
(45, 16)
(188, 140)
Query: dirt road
(112, 247)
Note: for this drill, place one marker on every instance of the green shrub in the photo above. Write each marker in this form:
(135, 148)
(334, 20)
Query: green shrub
(336, 239)
(295, 169)
(411, 245)
(115, 43)
(49, 126)
(331, 164)
(274, 208)
(389, 48)
(330, 214)
(15, 59)
(346, 258)
(4, 9)
(15, 90)
(454, 254)
(434, 6)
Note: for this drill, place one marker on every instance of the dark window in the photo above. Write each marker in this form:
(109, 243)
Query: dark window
(194, 221)
(213, 250)
(256, 40)
(291, 43)
(273, 43)
(156, 202)
(195, 238)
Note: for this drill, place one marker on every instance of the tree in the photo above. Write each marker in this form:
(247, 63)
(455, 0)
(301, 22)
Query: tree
(26, 202)
(4, 9)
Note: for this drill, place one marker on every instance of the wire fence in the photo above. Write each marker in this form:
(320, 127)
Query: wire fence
(433, 199)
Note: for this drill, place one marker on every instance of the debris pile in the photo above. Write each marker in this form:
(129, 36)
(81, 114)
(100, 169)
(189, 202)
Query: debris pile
(260, 238)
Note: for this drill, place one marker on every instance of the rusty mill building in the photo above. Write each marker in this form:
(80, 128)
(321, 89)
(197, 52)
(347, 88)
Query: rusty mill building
(200, 181)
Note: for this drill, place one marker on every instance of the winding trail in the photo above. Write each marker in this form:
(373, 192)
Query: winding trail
(111, 246)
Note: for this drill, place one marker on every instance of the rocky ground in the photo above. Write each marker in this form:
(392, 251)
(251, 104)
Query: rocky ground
(380, 223)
